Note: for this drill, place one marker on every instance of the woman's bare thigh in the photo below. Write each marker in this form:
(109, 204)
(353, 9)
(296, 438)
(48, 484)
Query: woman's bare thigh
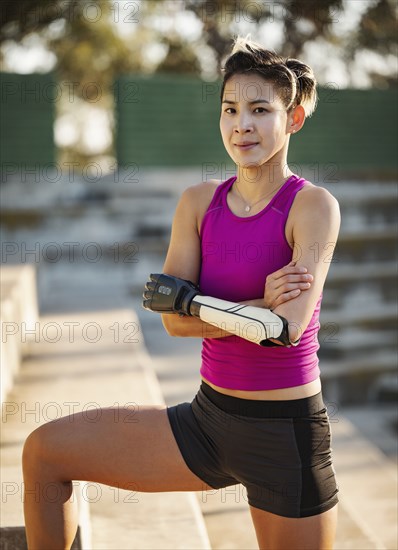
(310, 533)
(126, 447)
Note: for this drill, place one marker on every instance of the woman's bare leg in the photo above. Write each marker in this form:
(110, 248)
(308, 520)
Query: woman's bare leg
(128, 448)
(310, 533)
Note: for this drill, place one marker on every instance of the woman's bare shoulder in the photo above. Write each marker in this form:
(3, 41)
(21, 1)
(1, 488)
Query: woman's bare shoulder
(203, 188)
(311, 196)
(311, 201)
(199, 196)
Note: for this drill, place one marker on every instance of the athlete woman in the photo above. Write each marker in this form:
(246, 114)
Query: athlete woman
(245, 269)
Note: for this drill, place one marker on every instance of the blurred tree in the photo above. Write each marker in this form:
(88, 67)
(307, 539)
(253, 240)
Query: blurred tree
(217, 16)
(377, 32)
(87, 48)
(90, 55)
(378, 29)
(19, 18)
(319, 17)
(303, 21)
(180, 58)
(91, 52)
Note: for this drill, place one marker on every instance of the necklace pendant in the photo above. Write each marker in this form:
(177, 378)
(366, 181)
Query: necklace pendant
(247, 208)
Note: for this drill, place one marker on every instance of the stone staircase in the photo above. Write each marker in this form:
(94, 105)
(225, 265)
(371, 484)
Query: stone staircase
(358, 339)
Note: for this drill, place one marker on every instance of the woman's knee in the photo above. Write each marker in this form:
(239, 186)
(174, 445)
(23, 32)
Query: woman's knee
(39, 446)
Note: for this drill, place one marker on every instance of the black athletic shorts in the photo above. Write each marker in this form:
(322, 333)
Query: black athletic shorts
(278, 450)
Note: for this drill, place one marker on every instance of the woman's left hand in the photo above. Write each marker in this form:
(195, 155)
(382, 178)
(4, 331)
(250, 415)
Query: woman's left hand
(285, 284)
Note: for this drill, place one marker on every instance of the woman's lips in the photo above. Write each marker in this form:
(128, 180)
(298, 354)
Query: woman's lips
(245, 146)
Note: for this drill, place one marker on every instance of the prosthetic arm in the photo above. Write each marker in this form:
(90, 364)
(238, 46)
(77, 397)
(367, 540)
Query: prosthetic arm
(168, 294)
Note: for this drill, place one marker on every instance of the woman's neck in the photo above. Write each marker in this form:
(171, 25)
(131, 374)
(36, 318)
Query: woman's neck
(256, 182)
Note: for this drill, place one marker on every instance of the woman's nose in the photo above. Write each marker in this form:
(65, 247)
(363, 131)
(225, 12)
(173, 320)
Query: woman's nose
(244, 123)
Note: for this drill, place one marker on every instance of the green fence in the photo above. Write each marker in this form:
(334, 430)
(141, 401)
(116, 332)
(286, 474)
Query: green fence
(27, 120)
(167, 120)
(355, 129)
(173, 120)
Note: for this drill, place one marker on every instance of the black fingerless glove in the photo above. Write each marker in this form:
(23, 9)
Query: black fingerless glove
(168, 294)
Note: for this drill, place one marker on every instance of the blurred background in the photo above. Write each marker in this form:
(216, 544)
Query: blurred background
(109, 109)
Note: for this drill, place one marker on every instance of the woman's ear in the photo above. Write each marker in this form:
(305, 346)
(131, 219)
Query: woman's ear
(296, 119)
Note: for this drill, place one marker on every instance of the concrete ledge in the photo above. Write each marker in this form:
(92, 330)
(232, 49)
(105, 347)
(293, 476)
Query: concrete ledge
(14, 538)
(24, 276)
(10, 345)
(19, 318)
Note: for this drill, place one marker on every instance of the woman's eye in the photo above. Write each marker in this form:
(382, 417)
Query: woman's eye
(231, 110)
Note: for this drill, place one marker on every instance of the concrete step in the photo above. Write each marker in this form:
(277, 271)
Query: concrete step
(101, 363)
(360, 192)
(360, 313)
(359, 379)
(141, 205)
(344, 344)
(385, 232)
(341, 273)
(364, 363)
(366, 216)
(368, 486)
(377, 422)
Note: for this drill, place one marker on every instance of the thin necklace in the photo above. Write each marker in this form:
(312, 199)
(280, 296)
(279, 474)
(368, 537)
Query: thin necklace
(248, 207)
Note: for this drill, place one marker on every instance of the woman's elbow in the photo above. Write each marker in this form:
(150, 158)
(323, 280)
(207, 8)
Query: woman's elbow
(170, 324)
(295, 331)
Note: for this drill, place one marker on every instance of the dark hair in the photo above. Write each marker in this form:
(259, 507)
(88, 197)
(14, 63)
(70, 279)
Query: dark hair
(295, 81)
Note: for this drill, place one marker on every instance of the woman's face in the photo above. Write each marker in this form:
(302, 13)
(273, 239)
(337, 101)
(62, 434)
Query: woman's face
(253, 120)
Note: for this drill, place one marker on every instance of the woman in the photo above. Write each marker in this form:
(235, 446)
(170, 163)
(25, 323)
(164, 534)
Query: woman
(258, 418)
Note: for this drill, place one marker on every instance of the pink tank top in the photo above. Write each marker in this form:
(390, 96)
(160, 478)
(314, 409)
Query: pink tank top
(237, 255)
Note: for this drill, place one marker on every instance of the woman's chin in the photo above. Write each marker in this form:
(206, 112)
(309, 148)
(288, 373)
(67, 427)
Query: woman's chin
(249, 165)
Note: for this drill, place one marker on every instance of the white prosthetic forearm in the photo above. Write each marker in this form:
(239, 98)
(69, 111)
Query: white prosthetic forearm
(255, 324)
(168, 294)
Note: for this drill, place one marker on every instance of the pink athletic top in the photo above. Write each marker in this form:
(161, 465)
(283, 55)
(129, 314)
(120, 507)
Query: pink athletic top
(237, 255)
